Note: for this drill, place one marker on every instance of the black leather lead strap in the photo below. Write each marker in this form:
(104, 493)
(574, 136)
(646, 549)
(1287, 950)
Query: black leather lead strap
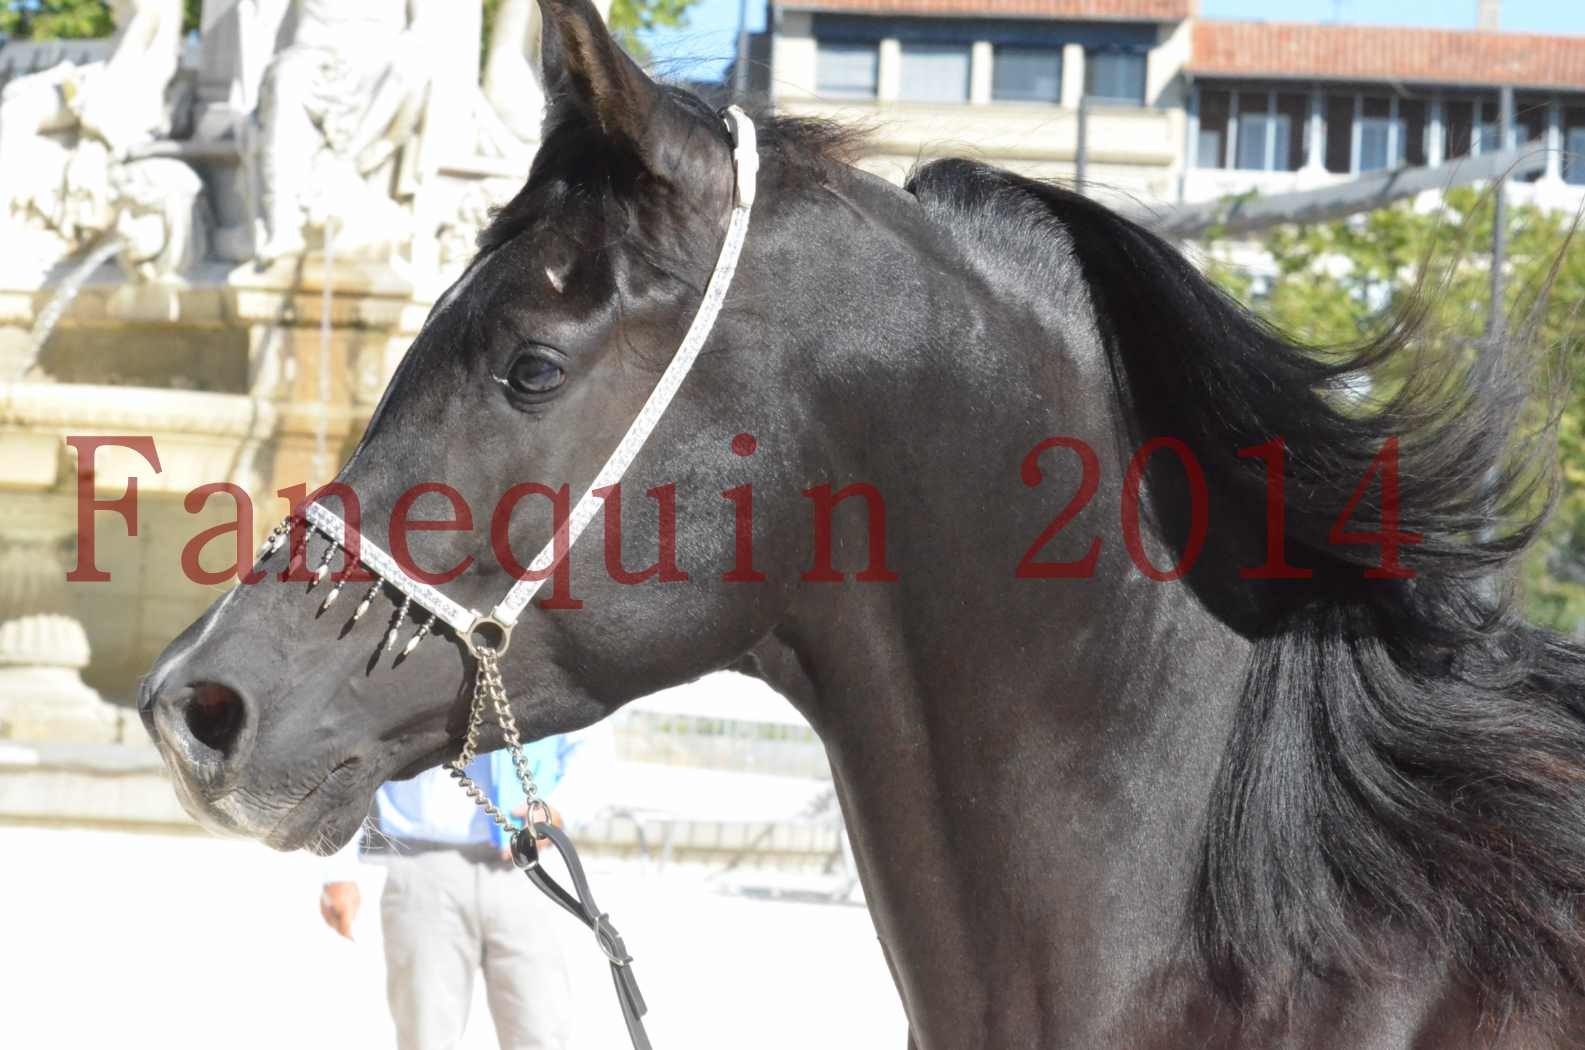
(580, 904)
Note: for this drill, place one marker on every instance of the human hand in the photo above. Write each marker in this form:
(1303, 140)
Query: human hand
(338, 905)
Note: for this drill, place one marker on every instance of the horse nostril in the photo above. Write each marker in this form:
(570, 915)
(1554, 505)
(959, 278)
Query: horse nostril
(216, 717)
(205, 731)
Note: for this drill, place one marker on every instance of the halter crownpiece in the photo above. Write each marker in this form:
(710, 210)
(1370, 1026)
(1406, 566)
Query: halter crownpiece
(487, 635)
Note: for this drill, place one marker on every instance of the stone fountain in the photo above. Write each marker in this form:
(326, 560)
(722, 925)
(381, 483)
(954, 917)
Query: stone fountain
(225, 245)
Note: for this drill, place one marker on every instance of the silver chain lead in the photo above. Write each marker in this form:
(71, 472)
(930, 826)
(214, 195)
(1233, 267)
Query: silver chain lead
(489, 693)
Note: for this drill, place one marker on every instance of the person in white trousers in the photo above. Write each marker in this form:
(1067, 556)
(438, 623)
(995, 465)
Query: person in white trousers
(454, 906)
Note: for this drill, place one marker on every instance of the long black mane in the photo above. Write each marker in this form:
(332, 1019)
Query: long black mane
(1408, 759)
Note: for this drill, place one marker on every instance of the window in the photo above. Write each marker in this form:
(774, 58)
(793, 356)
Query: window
(845, 70)
(1490, 138)
(1264, 141)
(1210, 149)
(935, 73)
(1380, 143)
(1529, 118)
(1380, 134)
(1486, 136)
(1574, 156)
(1268, 128)
(1027, 74)
(1490, 141)
(1115, 76)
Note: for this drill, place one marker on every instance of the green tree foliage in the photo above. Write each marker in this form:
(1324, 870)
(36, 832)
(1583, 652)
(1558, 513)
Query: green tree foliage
(71, 19)
(52, 19)
(1339, 283)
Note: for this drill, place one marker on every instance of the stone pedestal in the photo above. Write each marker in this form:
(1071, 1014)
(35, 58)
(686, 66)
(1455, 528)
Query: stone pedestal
(43, 648)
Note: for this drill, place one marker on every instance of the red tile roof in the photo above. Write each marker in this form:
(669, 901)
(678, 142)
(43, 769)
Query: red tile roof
(1342, 52)
(1100, 10)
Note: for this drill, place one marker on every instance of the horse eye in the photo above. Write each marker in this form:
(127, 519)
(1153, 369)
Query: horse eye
(533, 375)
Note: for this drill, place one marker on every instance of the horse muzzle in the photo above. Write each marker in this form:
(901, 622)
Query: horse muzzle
(205, 731)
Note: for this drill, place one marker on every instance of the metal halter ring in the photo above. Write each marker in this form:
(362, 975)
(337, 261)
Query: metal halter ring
(609, 940)
(537, 806)
(525, 851)
(480, 632)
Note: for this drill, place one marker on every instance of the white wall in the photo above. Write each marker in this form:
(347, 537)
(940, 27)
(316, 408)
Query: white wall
(792, 53)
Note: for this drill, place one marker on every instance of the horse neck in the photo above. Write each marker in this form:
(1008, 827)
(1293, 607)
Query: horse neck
(1024, 793)
(1023, 764)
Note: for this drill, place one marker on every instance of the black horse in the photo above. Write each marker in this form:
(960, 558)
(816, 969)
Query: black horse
(1244, 748)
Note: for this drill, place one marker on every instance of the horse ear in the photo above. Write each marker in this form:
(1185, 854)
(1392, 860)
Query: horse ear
(587, 71)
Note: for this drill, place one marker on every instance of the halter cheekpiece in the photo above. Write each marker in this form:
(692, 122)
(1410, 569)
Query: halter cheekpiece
(487, 635)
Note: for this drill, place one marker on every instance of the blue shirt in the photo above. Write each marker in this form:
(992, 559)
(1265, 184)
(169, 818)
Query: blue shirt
(432, 808)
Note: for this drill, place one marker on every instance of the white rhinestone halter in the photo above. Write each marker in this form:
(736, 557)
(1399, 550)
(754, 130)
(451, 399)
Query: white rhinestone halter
(493, 630)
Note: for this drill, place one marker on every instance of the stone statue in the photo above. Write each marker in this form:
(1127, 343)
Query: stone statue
(507, 108)
(512, 74)
(66, 132)
(511, 69)
(336, 105)
(120, 101)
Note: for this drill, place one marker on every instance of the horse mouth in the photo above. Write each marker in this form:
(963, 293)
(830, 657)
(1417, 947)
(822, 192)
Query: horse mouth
(325, 818)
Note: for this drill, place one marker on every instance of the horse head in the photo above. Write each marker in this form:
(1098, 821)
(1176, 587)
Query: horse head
(270, 711)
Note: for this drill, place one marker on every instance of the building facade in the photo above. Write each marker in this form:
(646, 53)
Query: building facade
(1179, 108)
(1000, 80)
